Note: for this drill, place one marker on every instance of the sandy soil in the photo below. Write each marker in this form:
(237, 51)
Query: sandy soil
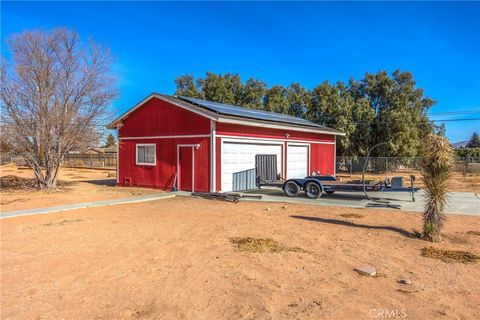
(459, 183)
(75, 186)
(172, 259)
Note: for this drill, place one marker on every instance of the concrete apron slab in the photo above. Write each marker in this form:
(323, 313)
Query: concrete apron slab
(102, 203)
(459, 202)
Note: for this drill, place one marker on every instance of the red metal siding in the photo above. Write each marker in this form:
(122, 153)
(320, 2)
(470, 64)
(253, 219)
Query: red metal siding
(322, 158)
(162, 175)
(159, 118)
(262, 132)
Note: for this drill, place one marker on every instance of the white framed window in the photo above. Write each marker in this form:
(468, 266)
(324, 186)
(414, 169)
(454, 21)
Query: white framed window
(146, 154)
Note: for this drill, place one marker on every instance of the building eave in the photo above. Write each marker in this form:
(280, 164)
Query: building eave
(277, 125)
(181, 104)
(223, 118)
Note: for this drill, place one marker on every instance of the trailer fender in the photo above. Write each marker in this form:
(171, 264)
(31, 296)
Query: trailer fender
(299, 182)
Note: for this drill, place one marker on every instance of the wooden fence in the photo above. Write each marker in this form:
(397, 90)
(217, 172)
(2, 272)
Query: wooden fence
(85, 160)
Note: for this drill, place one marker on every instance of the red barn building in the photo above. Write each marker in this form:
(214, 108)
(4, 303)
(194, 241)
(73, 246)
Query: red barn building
(196, 145)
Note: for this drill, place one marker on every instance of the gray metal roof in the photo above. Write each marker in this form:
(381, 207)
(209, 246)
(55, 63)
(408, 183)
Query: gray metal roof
(219, 111)
(230, 110)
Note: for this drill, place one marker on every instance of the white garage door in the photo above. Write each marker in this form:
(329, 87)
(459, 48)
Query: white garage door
(241, 156)
(297, 161)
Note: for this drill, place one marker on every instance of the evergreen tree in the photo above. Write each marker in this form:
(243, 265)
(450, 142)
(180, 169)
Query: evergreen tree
(474, 141)
(378, 108)
(276, 100)
(400, 111)
(254, 94)
(110, 140)
(332, 106)
(186, 87)
(298, 100)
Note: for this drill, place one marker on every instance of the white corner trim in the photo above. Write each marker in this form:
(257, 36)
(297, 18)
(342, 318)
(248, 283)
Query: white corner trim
(213, 156)
(118, 158)
(335, 158)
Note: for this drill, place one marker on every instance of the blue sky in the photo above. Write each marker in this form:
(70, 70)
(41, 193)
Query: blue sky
(279, 43)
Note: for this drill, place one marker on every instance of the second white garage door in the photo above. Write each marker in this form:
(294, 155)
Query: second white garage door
(241, 156)
(297, 161)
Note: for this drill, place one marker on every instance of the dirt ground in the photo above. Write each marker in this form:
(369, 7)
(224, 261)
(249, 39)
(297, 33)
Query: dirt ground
(459, 183)
(74, 186)
(173, 259)
(85, 185)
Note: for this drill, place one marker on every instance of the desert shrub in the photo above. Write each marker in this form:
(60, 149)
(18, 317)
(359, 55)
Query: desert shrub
(436, 169)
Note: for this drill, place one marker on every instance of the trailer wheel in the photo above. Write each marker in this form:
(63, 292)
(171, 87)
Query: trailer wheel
(291, 189)
(313, 190)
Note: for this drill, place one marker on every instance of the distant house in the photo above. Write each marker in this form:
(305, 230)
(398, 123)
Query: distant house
(102, 150)
(196, 145)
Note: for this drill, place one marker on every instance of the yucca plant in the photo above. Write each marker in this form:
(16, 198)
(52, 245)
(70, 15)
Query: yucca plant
(437, 162)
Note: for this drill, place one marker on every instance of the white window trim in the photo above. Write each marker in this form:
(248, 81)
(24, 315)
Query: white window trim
(154, 154)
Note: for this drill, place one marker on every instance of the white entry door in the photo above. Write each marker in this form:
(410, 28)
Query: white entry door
(297, 161)
(239, 156)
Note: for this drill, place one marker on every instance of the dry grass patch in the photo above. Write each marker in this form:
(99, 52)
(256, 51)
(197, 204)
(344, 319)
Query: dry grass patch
(61, 223)
(450, 256)
(474, 233)
(352, 215)
(260, 245)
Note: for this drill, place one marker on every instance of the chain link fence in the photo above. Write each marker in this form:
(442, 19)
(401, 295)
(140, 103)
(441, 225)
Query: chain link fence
(344, 165)
(354, 165)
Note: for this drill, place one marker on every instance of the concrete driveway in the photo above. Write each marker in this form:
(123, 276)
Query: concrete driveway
(460, 202)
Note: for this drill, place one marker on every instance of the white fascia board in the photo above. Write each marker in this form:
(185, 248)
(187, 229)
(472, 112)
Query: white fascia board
(206, 114)
(258, 123)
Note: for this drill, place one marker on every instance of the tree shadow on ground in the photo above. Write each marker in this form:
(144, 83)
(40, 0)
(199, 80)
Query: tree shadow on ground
(15, 183)
(356, 225)
(103, 182)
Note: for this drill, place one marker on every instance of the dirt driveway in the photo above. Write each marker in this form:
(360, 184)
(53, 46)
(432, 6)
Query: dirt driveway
(173, 259)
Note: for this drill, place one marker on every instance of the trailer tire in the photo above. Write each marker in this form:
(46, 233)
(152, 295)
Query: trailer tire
(313, 190)
(291, 189)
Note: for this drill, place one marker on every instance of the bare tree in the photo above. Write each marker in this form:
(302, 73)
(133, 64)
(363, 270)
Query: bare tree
(53, 94)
